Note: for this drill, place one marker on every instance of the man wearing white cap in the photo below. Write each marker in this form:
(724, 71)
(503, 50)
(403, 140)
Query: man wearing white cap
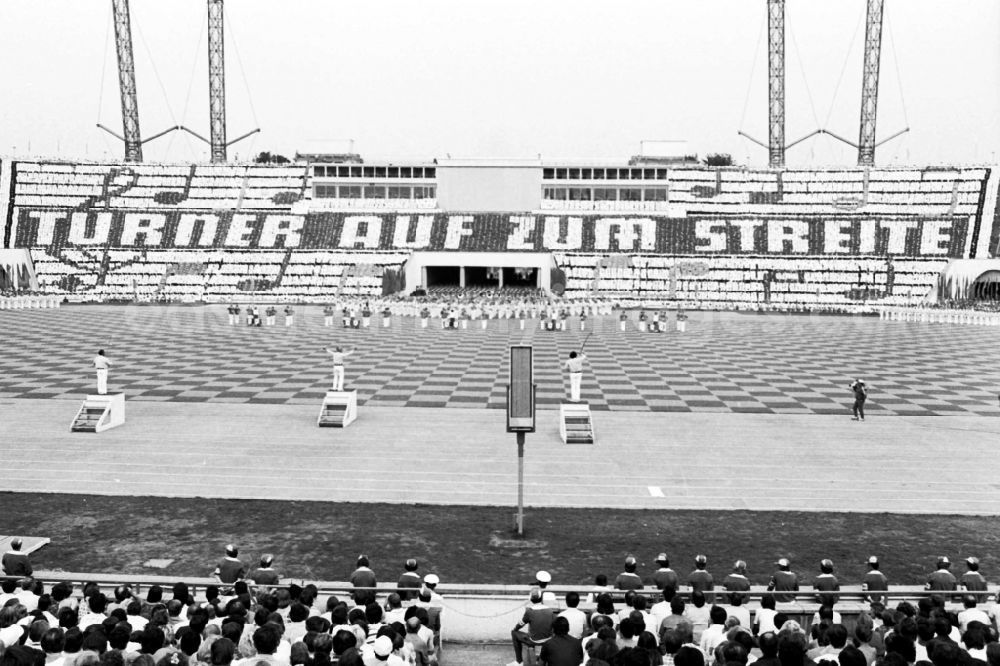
(15, 563)
(784, 580)
(542, 579)
(972, 580)
(874, 581)
(941, 579)
(431, 582)
(384, 654)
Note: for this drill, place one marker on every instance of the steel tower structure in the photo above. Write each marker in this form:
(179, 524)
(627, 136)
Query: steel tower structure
(776, 82)
(869, 83)
(216, 81)
(126, 81)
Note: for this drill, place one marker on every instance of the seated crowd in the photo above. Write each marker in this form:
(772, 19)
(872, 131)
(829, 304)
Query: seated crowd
(705, 629)
(244, 620)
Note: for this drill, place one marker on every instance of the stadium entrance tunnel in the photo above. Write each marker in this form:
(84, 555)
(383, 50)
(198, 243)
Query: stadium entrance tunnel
(480, 269)
(987, 287)
(443, 276)
(970, 279)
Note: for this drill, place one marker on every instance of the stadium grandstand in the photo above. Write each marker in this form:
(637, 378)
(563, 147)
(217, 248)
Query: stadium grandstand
(713, 238)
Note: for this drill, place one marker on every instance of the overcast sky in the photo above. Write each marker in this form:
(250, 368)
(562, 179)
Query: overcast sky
(576, 79)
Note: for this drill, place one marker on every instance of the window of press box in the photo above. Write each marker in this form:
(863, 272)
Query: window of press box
(399, 192)
(319, 171)
(555, 193)
(418, 172)
(574, 174)
(350, 191)
(598, 174)
(430, 172)
(585, 174)
(343, 172)
(548, 173)
(579, 194)
(560, 174)
(605, 194)
(369, 171)
(393, 172)
(355, 172)
(661, 174)
(374, 192)
(655, 194)
(380, 172)
(405, 172)
(630, 194)
(647, 174)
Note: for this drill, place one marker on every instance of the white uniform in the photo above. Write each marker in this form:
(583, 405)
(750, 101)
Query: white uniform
(575, 367)
(102, 364)
(338, 370)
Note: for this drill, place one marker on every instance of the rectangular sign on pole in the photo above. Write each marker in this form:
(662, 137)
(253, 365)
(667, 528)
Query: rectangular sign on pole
(521, 390)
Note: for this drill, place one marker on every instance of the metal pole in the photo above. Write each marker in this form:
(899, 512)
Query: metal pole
(520, 484)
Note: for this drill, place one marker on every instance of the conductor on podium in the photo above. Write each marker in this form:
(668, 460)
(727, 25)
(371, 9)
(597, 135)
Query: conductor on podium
(102, 364)
(575, 367)
(338, 355)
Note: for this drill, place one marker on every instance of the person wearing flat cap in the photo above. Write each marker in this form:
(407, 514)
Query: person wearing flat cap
(738, 586)
(265, 574)
(784, 580)
(628, 579)
(15, 562)
(825, 584)
(700, 580)
(874, 581)
(664, 576)
(941, 579)
(972, 580)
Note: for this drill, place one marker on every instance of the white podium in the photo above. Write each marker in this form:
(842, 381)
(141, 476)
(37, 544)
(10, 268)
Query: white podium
(99, 413)
(339, 409)
(575, 424)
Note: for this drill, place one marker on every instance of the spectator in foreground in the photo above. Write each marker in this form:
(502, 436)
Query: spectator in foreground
(538, 619)
(562, 649)
(15, 562)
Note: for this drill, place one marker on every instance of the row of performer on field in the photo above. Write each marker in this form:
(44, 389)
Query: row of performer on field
(550, 319)
(29, 301)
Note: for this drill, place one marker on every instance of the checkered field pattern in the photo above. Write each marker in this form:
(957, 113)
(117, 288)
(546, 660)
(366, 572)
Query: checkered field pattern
(725, 362)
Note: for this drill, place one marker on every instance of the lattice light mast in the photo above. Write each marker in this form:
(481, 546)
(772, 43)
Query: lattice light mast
(776, 82)
(216, 81)
(869, 83)
(126, 81)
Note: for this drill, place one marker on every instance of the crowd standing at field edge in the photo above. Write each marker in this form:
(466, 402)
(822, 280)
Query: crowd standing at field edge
(253, 618)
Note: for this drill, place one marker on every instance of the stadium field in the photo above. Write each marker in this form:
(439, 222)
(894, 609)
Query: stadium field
(725, 362)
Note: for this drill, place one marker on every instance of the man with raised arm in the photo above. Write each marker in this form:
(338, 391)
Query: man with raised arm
(338, 355)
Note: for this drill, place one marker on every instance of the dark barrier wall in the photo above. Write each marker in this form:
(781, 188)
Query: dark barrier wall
(834, 234)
